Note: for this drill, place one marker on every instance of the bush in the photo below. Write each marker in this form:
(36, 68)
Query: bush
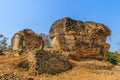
(113, 57)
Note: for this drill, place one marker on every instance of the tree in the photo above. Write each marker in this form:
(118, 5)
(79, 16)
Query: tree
(3, 42)
(46, 39)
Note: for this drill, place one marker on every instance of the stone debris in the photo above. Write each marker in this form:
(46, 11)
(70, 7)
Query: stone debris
(12, 76)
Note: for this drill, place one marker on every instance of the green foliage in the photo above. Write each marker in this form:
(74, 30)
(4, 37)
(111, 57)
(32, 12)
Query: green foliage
(1, 35)
(113, 57)
(3, 42)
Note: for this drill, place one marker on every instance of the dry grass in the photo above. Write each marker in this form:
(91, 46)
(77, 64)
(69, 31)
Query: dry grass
(79, 72)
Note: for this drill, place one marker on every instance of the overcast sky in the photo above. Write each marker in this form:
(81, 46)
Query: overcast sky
(38, 15)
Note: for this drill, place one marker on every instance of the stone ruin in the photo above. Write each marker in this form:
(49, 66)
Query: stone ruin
(38, 60)
(81, 40)
(71, 39)
(47, 62)
(26, 40)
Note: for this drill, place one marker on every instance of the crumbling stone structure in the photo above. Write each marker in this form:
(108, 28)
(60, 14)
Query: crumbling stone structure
(82, 40)
(26, 39)
(47, 62)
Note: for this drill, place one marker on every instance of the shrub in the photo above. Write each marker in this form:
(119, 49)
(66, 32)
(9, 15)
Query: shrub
(113, 57)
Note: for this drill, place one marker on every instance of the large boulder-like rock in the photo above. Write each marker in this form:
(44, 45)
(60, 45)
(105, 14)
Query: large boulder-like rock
(82, 40)
(26, 39)
(47, 62)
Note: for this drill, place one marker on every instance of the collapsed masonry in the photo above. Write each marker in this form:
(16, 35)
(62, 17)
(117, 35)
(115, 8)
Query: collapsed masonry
(26, 39)
(47, 62)
(82, 40)
(39, 61)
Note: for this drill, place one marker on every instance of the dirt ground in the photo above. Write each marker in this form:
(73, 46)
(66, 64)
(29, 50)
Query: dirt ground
(82, 70)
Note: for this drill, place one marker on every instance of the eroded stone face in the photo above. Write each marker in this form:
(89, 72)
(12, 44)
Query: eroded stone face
(81, 39)
(55, 43)
(17, 42)
(47, 62)
(26, 39)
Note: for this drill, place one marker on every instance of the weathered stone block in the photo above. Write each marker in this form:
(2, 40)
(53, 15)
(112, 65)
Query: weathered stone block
(81, 39)
(26, 39)
(46, 62)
